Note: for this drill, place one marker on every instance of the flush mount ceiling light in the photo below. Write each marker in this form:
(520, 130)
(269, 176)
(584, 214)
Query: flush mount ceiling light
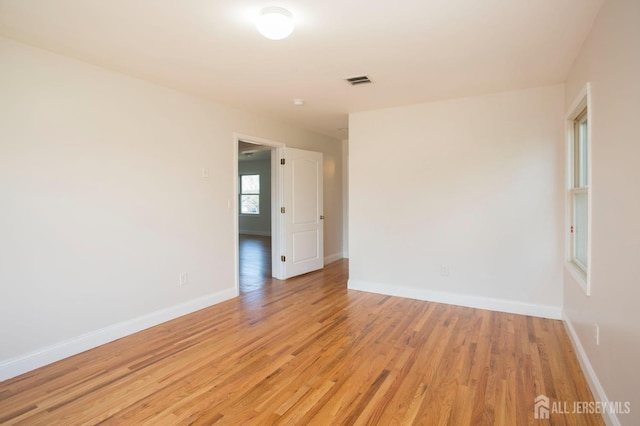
(275, 23)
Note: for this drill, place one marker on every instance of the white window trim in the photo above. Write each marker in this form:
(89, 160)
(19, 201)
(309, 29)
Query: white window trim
(581, 275)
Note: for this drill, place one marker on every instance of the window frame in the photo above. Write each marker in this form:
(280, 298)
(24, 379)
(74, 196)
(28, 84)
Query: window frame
(579, 178)
(242, 193)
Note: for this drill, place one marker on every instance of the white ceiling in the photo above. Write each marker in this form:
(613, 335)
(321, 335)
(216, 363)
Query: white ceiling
(413, 50)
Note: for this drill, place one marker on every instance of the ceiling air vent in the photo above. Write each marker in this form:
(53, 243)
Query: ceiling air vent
(361, 79)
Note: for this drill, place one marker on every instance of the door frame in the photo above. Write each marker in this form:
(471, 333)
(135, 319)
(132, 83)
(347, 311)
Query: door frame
(277, 191)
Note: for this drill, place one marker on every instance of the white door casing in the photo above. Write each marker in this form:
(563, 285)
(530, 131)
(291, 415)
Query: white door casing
(303, 217)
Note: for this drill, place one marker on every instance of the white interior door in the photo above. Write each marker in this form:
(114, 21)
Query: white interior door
(303, 216)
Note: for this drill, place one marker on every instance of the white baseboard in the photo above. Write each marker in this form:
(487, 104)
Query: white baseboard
(15, 366)
(596, 388)
(500, 305)
(259, 233)
(332, 258)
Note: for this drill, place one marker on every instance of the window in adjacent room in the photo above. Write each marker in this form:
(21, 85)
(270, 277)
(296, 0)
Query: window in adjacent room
(250, 194)
(579, 220)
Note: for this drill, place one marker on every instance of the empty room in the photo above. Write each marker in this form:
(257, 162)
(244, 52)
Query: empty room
(332, 213)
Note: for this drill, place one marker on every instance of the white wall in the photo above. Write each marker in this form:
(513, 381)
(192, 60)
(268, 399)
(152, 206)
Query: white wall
(610, 60)
(471, 184)
(103, 205)
(257, 224)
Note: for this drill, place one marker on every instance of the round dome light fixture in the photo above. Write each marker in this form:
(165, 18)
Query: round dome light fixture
(275, 23)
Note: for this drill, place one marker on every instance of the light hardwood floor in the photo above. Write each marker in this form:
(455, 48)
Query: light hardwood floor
(309, 351)
(255, 262)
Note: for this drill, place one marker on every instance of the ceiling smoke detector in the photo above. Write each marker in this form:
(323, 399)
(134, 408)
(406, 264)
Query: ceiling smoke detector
(360, 79)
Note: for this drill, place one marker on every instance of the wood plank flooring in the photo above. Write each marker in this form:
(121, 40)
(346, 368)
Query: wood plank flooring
(309, 351)
(255, 262)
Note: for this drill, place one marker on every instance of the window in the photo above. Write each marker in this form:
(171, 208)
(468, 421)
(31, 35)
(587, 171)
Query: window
(250, 194)
(579, 192)
(578, 128)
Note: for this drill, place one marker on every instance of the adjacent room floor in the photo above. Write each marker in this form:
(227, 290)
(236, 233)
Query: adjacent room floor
(255, 262)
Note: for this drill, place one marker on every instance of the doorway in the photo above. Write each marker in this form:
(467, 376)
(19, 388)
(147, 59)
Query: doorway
(254, 215)
(295, 206)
